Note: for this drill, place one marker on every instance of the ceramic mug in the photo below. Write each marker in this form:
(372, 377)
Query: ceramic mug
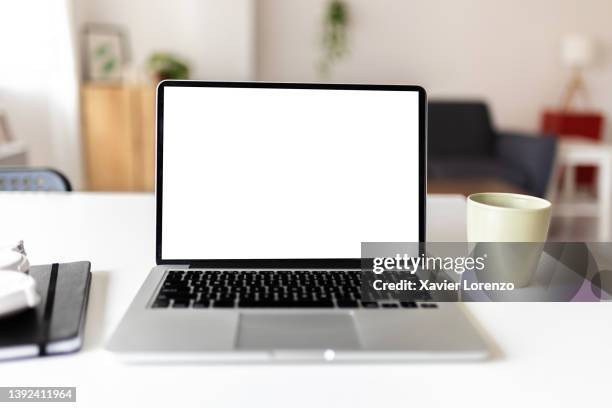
(494, 218)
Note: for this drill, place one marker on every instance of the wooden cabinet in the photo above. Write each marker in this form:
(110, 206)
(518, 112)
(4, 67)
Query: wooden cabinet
(118, 123)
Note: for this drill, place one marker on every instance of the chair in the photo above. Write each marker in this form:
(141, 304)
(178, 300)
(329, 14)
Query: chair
(463, 144)
(32, 179)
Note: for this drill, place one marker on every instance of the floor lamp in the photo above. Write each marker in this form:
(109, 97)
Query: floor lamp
(577, 53)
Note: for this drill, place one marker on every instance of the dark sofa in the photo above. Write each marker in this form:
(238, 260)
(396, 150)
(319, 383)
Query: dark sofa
(463, 144)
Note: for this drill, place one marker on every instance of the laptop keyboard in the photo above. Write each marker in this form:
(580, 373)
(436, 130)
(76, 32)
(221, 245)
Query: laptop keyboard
(267, 289)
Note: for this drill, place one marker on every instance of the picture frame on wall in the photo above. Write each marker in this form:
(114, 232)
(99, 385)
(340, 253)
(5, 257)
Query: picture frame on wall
(105, 52)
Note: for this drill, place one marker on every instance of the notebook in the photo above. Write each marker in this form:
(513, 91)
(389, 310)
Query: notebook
(56, 325)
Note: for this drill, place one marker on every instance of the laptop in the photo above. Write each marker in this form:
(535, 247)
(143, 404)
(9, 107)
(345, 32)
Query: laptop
(265, 192)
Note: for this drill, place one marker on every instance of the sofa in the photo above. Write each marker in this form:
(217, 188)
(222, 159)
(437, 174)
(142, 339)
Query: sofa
(464, 144)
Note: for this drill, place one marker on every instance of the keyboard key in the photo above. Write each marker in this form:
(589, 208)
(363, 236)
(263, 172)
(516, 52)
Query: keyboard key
(347, 303)
(429, 306)
(369, 305)
(201, 304)
(160, 303)
(390, 305)
(180, 303)
(223, 303)
(287, 304)
(408, 305)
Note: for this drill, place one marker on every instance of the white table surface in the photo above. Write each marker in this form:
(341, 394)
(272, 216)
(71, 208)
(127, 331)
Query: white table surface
(557, 355)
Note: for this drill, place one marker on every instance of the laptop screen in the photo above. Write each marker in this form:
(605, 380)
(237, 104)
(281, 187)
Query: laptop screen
(268, 173)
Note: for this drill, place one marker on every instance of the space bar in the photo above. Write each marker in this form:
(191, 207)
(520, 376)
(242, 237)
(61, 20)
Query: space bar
(297, 303)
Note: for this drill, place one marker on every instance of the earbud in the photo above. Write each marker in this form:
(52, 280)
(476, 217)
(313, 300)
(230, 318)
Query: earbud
(13, 261)
(17, 292)
(17, 288)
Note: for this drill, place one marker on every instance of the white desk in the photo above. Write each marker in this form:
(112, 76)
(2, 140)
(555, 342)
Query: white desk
(557, 355)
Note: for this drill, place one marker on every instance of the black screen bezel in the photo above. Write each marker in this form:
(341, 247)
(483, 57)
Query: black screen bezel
(335, 263)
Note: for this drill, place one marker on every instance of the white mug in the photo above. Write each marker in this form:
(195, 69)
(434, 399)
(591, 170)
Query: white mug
(507, 217)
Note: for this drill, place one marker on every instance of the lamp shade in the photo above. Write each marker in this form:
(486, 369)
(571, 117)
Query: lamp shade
(577, 51)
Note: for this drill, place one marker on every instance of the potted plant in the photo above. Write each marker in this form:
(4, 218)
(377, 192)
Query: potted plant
(166, 66)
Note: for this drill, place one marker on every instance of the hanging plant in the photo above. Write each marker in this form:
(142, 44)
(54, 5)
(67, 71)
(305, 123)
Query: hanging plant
(334, 38)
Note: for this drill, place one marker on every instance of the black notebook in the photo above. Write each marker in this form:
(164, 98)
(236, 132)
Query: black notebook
(56, 325)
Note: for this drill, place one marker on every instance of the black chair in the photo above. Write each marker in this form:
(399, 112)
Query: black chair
(462, 143)
(32, 179)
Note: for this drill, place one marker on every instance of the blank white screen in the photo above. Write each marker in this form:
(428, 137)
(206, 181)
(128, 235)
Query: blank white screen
(287, 173)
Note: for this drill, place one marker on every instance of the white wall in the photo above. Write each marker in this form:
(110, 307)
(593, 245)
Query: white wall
(214, 36)
(506, 51)
(38, 81)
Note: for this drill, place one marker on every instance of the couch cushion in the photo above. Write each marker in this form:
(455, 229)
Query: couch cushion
(476, 168)
(460, 129)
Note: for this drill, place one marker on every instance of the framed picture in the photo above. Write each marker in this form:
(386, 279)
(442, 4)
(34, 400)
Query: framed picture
(105, 52)
(5, 132)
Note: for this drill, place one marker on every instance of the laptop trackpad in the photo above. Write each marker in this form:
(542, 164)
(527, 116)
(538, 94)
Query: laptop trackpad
(277, 331)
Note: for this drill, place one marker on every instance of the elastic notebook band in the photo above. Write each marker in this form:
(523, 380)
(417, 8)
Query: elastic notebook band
(48, 312)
